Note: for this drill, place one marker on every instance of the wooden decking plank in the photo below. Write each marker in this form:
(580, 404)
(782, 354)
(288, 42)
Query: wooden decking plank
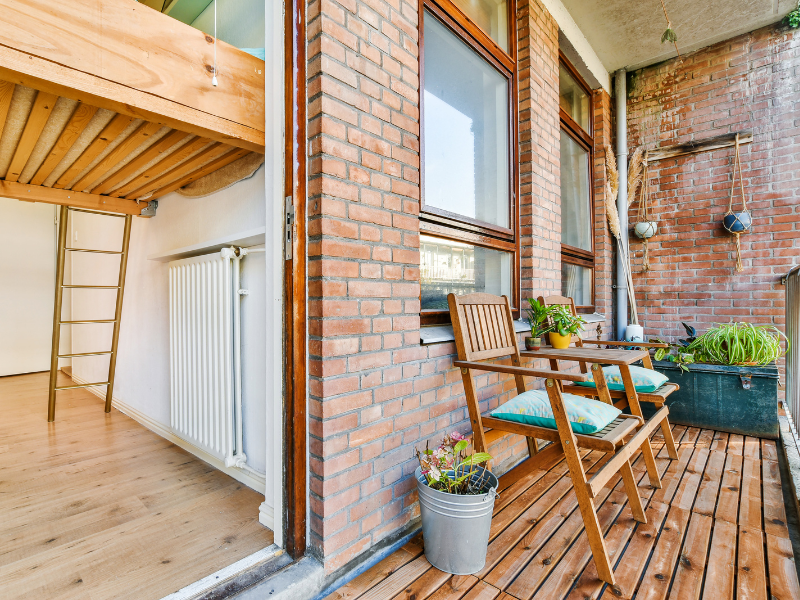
(752, 448)
(751, 579)
(721, 562)
(736, 444)
(427, 584)
(546, 459)
(706, 500)
(692, 433)
(657, 576)
(783, 584)
(454, 588)
(672, 478)
(769, 450)
(750, 498)
(774, 510)
(706, 438)
(379, 572)
(482, 591)
(398, 580)
(507, 496)
(728, 501)
(687, 491)
(720, 442)
(691, 565)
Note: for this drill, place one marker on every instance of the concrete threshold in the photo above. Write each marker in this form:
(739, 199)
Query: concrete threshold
(789, 460)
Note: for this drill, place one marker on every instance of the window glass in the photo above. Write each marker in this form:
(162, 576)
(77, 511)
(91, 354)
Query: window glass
(454, 267)
(573, 99)
(466, 133)
(576, 205)
(576, 283)
(489, 15)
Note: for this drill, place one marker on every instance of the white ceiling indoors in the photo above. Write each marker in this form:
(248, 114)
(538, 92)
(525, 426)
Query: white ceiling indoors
(627, 33)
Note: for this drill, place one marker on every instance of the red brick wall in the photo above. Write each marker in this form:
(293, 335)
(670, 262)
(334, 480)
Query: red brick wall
(375, 393)
(746, 83)
(604, 243)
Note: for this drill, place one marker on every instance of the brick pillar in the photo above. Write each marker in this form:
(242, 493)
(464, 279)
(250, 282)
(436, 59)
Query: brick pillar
(540, 150)
(363, 206)
(604, 243)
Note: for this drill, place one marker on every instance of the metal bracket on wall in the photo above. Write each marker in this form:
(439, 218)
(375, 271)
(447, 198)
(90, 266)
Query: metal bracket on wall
(289, 233)
(150, 209)
(747, 380)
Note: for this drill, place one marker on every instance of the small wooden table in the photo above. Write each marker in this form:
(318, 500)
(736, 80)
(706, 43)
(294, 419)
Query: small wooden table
(590, 355)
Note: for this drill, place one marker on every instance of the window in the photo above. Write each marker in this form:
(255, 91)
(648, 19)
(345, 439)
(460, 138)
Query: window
(468, 217)
(577, 211)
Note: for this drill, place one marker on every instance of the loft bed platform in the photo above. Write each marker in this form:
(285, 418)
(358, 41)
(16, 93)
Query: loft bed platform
(109, 104)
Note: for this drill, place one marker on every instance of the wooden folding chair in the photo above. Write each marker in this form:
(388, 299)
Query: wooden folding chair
(623, 398)
(484, 331)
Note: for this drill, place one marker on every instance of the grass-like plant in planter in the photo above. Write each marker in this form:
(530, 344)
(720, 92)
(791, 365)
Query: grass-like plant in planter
(538, 315)
(728, 378)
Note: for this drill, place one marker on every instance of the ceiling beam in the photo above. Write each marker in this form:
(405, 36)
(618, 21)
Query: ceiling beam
(36, 193)
(123, 56)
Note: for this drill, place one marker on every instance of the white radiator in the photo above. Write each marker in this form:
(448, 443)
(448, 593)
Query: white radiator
(205, 362)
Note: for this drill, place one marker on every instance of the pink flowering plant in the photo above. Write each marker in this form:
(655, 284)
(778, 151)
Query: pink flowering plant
(449, 469)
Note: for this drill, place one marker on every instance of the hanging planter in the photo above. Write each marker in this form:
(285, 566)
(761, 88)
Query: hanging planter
(737, 223)
(644, 227)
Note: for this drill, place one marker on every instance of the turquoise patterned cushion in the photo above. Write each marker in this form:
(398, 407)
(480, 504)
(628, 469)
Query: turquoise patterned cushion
(644, 380)
(533, 408)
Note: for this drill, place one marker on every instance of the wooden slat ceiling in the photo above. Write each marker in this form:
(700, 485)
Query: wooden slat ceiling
(62, 144)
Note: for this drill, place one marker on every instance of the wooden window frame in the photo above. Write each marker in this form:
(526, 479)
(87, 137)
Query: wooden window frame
(443, 224)
(585, 139)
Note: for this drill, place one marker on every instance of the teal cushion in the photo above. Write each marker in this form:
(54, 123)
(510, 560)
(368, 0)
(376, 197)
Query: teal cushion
(644, 380)
(533, 408)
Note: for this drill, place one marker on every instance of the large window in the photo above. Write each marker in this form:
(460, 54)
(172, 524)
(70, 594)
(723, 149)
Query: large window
(468, 214)
(577, 222)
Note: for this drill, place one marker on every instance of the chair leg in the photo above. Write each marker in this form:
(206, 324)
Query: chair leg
(650, 463)
(668, 439)
(594, 534)
(632, 491)
(533, 446)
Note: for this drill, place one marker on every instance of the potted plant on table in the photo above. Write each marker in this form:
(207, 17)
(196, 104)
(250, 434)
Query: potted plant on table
(565, 325)
(538, 315)
(728, 378)
(456, 499)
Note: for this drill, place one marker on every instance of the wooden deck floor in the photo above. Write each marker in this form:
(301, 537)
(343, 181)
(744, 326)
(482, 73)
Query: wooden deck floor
(96, 506)
(716, 530)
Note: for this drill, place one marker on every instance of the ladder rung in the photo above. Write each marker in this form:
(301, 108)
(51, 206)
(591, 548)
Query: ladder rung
(96, 212)
(83, 385)
(87, 321)
(83, 354)
(95, 287)
(96, 251)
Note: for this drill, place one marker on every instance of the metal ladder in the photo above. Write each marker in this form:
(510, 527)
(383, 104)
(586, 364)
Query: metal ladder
(57, 322)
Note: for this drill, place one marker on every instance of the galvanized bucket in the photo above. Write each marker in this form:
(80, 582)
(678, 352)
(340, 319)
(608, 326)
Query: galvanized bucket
(455, 528)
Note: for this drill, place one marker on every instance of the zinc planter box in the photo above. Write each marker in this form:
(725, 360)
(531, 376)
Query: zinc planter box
(740, 400)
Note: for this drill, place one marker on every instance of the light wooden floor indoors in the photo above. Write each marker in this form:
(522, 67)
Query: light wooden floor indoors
(716, 530)
(97, 506)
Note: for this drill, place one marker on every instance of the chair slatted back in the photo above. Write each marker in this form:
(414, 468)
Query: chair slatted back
(483, 326)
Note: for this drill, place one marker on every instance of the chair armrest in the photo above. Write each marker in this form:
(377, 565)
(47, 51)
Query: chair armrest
(634, 344)
(543, 373)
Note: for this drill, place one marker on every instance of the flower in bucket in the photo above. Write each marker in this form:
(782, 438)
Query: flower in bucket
(447, 468)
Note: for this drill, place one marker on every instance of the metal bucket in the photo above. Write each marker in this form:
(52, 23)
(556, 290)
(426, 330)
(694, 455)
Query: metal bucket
(455, 528)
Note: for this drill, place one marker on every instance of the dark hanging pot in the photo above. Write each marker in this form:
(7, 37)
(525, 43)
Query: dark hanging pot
(737, 222)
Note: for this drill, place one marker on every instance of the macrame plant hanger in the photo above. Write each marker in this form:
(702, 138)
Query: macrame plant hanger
(737, 223)
(643, 215)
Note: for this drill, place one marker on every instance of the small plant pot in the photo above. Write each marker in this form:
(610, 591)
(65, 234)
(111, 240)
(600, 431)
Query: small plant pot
(646, 229)
(533, 343)
(558, 341)
(455, 528)
(738, 222)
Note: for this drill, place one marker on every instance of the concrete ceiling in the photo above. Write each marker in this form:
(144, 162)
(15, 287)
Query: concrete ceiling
(627, 33)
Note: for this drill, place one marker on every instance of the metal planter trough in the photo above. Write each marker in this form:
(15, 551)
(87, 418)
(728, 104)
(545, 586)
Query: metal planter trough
(741, 400)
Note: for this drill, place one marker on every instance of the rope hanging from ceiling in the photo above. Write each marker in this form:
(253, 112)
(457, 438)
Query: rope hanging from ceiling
(737, 223)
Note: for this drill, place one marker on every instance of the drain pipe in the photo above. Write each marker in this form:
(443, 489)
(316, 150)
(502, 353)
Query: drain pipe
(621, 308)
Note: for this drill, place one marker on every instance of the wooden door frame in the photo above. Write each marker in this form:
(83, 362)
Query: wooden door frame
(295, 306)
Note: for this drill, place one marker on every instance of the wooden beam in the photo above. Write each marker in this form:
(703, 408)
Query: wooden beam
(126, 57)
(42, 108)
(133, 141)
(77, 123)
(37, 193)
(181, 170)
(160, 147)
(161, 167)
(715, 143)
(6, 92)
(233, 155)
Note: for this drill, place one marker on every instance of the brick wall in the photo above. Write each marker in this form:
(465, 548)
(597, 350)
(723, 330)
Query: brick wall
(376, 394)
(746, 83)
(604, 242)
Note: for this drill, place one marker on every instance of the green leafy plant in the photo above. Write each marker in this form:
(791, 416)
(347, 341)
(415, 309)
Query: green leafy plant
(449, 469)
(564, 322)
(538, 314)
(793, 18)
(735, 344)
(669, 36)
